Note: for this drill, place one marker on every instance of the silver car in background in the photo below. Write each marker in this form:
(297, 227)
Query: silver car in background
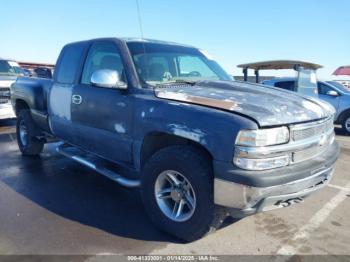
(9, 71)
(330, 91)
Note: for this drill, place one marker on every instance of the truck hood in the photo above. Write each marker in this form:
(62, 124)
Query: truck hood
(267, 106)
(7, 80)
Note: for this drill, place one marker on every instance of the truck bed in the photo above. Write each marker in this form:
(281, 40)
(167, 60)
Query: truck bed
(32, 93)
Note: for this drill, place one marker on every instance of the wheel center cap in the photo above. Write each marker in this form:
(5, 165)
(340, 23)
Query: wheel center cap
(176, 195)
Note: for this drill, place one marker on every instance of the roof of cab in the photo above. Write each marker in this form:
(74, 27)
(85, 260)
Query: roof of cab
(279, 64)
(133, 40)
(154, 41)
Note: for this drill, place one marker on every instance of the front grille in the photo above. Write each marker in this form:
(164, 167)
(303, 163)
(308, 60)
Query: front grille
(316, 137)
(309, 153)
(311, 130)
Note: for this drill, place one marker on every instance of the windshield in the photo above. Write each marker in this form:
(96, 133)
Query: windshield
(339, 86)
(8, 67)
(164, 63)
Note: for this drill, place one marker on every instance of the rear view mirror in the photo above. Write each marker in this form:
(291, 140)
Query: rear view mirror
(108, 79)
(332, 93)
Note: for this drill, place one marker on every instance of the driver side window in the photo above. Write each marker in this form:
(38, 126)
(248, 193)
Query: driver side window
(102, 55)
(323, 89)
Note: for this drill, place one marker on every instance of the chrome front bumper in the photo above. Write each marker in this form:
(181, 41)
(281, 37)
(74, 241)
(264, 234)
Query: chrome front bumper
(245, 200)
(312, 151)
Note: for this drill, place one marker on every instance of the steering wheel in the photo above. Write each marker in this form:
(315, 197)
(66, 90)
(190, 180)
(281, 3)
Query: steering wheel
(194, 73)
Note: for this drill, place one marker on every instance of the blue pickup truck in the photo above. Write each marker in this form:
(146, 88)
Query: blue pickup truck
(167, 119)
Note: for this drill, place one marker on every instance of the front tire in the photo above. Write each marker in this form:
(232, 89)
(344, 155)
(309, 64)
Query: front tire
(177, 192)
(346, 124)
(28, 144)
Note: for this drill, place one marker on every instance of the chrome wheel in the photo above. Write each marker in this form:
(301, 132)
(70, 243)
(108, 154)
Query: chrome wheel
(175, 196)
(23, 133)
(347, 124)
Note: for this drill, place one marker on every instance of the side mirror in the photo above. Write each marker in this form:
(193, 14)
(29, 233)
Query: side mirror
(332, 93)
(108, 79)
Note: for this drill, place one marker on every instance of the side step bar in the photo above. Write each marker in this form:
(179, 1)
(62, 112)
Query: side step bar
(63, 150)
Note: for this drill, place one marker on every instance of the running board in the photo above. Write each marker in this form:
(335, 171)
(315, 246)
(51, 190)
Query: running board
(63, 149)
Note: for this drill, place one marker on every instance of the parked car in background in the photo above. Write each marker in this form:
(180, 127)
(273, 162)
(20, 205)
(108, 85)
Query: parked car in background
(26, 72)
(42, 72)
(330, 91)
(9, 71)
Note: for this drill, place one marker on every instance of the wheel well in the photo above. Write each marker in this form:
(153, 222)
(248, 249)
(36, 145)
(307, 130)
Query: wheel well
(20, 105)
(343, 115)
(155, 141)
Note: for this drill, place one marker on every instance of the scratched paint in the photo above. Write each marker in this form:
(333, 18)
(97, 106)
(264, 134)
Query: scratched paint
(119, 128)
(183, 131)
(266, 105)
(121, 104)
(60, 101)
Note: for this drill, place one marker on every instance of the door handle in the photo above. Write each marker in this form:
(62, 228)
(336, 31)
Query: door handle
(77, 99)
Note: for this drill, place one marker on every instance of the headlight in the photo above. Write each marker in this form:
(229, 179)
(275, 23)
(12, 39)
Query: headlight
(261, 164)
(263, 137)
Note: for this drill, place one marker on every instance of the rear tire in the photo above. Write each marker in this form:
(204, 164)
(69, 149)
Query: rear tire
(346, 124)
(28, 144)
(193, 169)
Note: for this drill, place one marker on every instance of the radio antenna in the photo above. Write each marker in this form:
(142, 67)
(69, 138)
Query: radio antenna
(139, 17)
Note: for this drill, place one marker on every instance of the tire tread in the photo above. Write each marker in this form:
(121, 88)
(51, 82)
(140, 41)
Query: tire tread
(211, 217)
(34, 146)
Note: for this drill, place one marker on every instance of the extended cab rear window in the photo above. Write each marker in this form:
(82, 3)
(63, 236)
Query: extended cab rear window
(69, 63)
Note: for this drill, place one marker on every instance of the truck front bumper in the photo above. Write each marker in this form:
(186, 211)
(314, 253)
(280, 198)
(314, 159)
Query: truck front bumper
(249, 192)
(6, 111)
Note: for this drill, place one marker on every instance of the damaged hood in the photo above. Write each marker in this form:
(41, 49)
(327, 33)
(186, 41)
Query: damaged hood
(267, 106)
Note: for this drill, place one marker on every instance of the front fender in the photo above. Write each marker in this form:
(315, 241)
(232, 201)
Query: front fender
(213, 129)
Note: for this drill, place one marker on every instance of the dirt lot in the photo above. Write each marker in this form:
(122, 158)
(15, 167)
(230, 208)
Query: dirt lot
(51, 205)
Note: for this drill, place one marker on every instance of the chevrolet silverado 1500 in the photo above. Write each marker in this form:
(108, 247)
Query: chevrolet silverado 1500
(167, 118)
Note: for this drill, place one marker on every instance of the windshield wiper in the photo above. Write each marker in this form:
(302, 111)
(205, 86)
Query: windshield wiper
(178, 81)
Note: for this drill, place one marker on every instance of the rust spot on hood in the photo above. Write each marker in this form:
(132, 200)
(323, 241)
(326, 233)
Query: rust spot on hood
(205, 101)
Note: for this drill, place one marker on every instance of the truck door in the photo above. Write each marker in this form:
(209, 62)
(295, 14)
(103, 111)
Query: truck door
(60, 94)
(103, 116)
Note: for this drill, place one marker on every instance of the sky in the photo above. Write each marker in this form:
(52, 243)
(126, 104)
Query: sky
(232, 31)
